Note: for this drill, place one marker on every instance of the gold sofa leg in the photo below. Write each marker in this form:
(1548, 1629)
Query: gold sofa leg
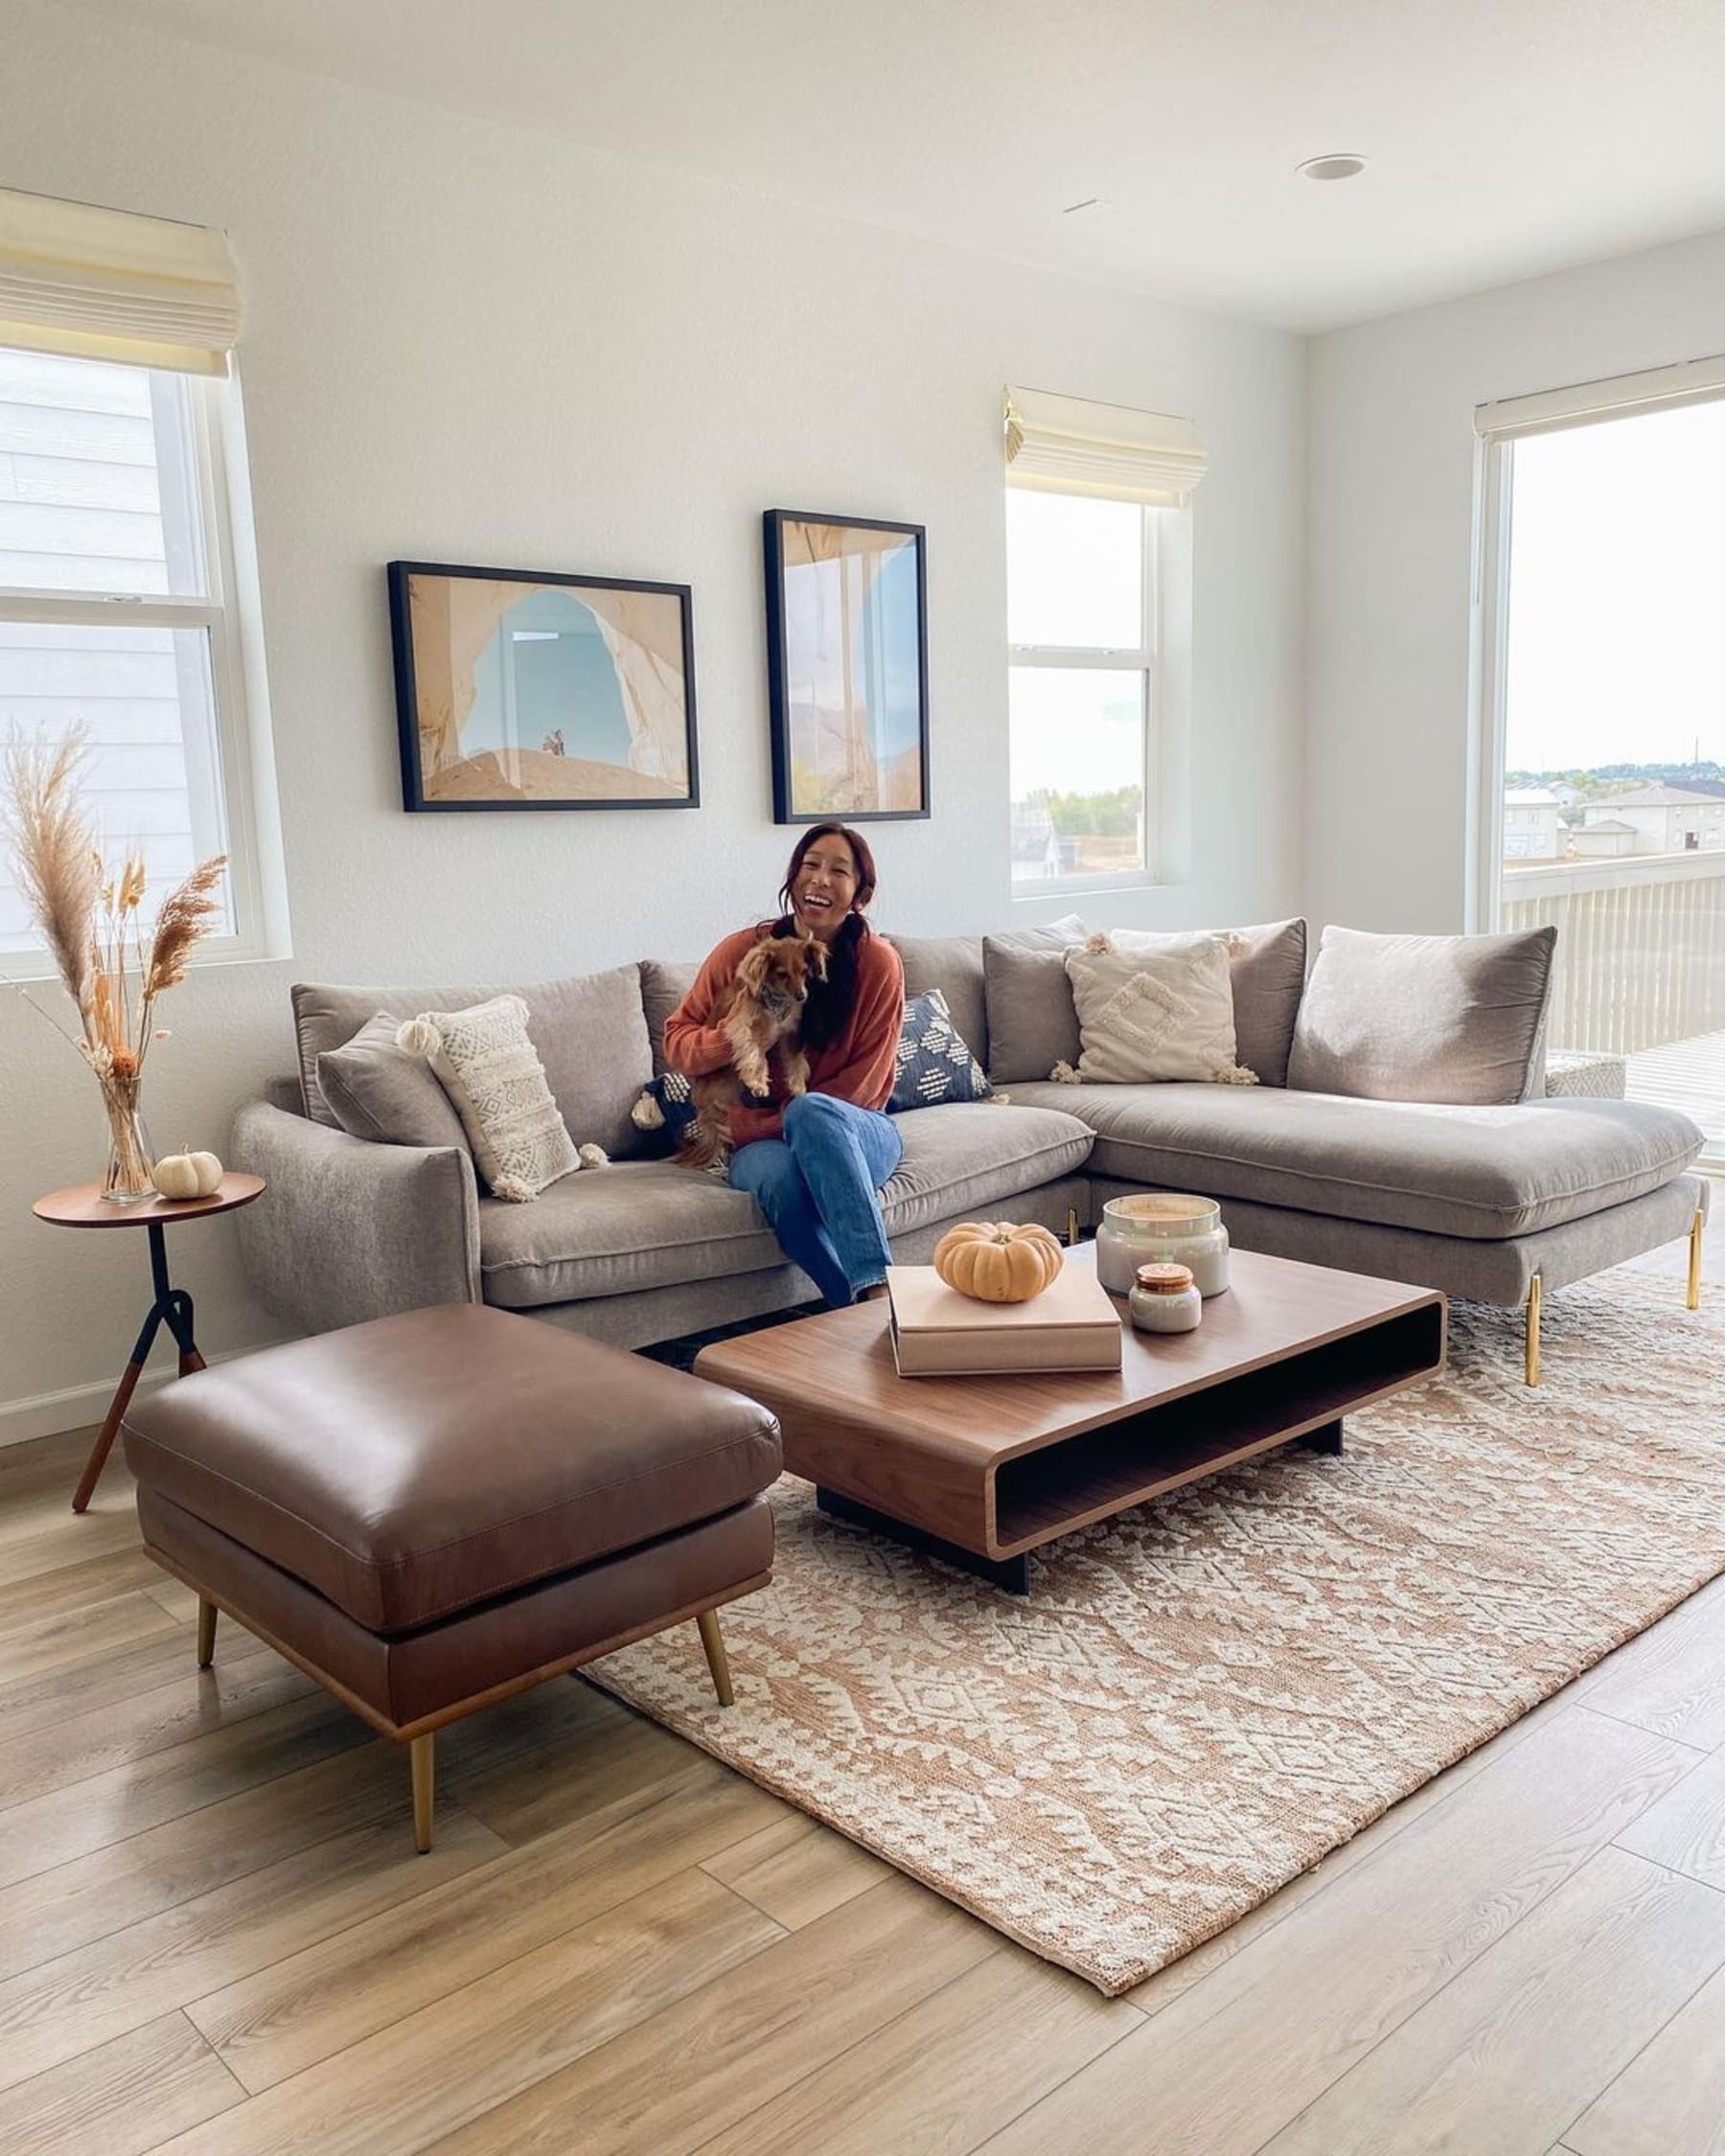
(1697, 1228)
(1533, 1303)
(423, 1751)
(713, 1641)
(206, 1626)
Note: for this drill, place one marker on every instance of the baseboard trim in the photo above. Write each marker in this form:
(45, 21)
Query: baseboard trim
(81, 1407)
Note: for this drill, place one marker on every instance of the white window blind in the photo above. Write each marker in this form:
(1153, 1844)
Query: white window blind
(1069, 446)
(96, 284)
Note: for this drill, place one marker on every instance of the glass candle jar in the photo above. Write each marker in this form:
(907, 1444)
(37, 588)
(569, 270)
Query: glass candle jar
(1165, 1298)
(1154, 1227)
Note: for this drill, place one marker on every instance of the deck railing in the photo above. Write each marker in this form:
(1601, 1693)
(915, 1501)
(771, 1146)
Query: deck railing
(1641, 946)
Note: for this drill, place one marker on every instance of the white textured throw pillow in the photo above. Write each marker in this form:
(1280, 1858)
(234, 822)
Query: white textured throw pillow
(1154, 1008)
(486, 1060)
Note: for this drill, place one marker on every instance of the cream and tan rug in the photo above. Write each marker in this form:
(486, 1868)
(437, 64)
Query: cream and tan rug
(1200, 1699)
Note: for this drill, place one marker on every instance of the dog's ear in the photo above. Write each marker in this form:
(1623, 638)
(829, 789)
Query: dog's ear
(752, 967)
(818, 958)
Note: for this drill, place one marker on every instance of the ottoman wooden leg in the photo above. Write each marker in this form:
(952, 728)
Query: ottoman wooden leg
(425, 1767)
(206, 1633)
(713, 1641)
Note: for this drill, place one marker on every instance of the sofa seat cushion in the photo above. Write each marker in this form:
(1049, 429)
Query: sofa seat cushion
(962, 1159)
(420, 1464)
(1486, 1173)
(613, 1231)
(648, 1224)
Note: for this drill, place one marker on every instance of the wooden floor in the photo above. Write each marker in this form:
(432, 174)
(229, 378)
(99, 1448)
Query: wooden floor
(215, 1935)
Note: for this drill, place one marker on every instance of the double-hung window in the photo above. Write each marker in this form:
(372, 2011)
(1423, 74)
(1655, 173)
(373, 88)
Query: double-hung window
(127, 604)
(1097, 567)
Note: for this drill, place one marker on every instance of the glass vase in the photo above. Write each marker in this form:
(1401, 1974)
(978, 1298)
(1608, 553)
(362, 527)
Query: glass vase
(128, 1180)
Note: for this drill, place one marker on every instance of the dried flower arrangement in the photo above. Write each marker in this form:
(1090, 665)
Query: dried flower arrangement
(91, 919)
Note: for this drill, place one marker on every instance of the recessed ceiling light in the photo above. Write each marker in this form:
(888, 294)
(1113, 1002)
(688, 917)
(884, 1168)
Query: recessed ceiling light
(1343, 165)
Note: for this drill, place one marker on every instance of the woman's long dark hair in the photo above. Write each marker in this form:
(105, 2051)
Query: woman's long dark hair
(831, 1001)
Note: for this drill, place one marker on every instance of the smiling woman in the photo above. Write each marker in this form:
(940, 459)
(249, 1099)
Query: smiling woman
(815, 1160)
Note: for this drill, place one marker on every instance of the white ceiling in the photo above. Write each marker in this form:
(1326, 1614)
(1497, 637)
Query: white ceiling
(1506, 137)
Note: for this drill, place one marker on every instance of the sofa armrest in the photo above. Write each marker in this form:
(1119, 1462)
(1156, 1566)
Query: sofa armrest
(349, 1229)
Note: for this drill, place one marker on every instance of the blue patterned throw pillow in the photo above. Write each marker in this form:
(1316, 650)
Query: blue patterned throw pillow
(934, 1066)
(663, 1111)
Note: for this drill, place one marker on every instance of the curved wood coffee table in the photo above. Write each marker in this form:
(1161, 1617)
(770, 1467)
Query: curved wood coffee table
(983, 1470)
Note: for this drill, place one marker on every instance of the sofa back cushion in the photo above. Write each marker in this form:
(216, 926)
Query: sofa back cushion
(1268, 969)
(1437, 1019)
(955, 966)
(379, 1091)
(590, 1032)
(950, 966)
(664, 983)
(1033, 1023)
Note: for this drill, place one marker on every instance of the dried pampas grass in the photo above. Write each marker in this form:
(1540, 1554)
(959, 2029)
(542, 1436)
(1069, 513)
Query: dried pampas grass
(58, 868)
(92, 920)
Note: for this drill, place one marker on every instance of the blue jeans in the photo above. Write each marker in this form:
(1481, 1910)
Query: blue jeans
(816, 1186)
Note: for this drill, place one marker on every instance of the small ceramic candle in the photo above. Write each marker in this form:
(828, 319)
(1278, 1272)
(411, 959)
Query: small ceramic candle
(1165, 1298)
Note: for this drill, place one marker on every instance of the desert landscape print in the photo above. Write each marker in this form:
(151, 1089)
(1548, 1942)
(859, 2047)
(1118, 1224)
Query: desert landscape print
(852, 691)
(546, 692)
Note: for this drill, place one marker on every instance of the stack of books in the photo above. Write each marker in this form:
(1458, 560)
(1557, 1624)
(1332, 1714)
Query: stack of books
(936, 1332)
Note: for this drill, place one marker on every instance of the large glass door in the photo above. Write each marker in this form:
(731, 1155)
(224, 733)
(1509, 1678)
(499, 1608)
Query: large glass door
(1606, 697)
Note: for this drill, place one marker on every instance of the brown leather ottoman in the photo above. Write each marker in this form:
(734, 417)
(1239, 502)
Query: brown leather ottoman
(431, 1511)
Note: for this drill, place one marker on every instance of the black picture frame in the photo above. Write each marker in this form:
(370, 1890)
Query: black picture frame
(418, 787)
(782, 661)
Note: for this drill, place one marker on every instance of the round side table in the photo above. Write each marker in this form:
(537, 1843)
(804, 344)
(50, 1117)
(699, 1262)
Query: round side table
(83, 1205)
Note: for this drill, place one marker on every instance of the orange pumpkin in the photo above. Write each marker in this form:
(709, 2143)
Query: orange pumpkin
(997, 1261)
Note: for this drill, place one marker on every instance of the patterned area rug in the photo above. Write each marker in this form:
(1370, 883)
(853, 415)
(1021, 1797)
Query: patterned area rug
(1201, 1699)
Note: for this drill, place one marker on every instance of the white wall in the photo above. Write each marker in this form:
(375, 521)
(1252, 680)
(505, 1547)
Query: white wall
(475, 344)
(1389, 539)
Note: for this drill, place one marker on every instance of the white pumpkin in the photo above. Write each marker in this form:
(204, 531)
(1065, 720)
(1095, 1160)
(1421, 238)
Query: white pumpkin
(186, 1175)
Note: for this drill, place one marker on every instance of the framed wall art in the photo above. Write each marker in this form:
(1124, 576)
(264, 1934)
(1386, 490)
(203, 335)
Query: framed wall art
(521, 690)
(847, 666)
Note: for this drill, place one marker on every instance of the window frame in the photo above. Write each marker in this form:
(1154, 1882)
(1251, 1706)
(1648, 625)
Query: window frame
(223, 796)
(1146, 659)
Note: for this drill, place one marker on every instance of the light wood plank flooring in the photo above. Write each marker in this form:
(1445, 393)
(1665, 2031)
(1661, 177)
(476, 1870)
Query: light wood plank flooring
(215, 1935)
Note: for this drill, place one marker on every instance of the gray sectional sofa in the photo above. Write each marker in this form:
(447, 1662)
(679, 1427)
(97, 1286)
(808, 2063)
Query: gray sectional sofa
(1489, 1201)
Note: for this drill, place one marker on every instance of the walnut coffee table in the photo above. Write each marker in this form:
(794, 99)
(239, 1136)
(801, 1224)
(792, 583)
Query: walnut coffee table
(982, 1470)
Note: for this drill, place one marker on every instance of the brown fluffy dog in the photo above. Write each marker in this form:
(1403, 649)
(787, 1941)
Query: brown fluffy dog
(759, 1011)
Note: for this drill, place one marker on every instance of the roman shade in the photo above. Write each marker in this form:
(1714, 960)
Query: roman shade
(1069, 446)
(94, 284)
(1548, 411)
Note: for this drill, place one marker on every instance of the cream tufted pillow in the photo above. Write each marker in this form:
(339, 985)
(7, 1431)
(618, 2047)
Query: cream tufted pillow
(1154, 1008)
(486, 1060)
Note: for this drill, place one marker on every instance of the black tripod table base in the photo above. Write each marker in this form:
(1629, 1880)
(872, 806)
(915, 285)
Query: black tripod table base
(172, 1308)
